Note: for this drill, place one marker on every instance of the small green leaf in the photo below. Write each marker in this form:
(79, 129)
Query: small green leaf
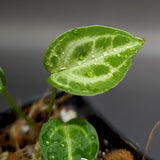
(74, 140)
(2, 81)
(90, 60)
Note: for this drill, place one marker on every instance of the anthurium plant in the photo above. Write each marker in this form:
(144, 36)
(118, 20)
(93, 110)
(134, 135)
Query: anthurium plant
(83, 61)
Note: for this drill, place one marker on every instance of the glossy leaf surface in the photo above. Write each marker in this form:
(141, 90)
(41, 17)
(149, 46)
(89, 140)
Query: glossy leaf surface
(74, 140)
(2, 81)
(90, 60)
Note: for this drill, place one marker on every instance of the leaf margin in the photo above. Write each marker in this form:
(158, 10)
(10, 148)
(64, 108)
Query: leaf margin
(59, 38)
(74, 121)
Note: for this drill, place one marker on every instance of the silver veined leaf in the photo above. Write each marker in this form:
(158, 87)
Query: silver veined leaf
(90, 60)
(75, 140)
(2, 81)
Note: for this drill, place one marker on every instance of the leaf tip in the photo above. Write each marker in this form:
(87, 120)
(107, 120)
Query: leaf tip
(143, 40)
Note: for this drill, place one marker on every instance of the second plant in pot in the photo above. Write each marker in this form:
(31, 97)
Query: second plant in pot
(83, 61)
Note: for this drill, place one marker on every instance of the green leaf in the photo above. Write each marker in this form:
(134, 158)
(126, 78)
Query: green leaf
(90, 60)
(74, 140)
(2, 81)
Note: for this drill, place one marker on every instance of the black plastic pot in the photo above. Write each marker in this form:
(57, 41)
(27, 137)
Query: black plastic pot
(109, 137)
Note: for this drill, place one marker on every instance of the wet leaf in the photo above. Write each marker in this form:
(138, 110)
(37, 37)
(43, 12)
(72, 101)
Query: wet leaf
(74, 140)
(90, 60)
(2, 81)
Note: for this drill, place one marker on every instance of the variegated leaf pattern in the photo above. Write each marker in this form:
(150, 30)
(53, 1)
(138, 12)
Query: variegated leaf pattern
(75, 140)
(90, 60)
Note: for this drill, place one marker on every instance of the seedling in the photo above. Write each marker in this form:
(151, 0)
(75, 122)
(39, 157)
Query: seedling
(83, 61)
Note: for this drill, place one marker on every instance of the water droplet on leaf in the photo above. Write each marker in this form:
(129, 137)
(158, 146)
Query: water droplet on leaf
(75, 31)
(93, 56)
(125, 64)
(90, 74)
(112, 76)
(46, 140)
(63, 68)
(105, 54)
(118, 55)
(92, 137)
(125, 56)
(84, 159)
(47, 63)
(81, 57)
(62, 145)
(51, 129)
(51, 156)
(69, 90)
(105, 89)
(108, 63)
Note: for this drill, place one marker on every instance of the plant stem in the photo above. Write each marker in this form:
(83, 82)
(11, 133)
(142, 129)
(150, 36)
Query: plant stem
(52, 101)
(18, 110)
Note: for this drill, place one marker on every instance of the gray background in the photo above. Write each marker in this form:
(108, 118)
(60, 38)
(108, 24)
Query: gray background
(28, 27)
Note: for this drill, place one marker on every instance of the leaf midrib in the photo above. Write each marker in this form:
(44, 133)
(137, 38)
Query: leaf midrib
(68, 139)
(113, 52)
(68, 143)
